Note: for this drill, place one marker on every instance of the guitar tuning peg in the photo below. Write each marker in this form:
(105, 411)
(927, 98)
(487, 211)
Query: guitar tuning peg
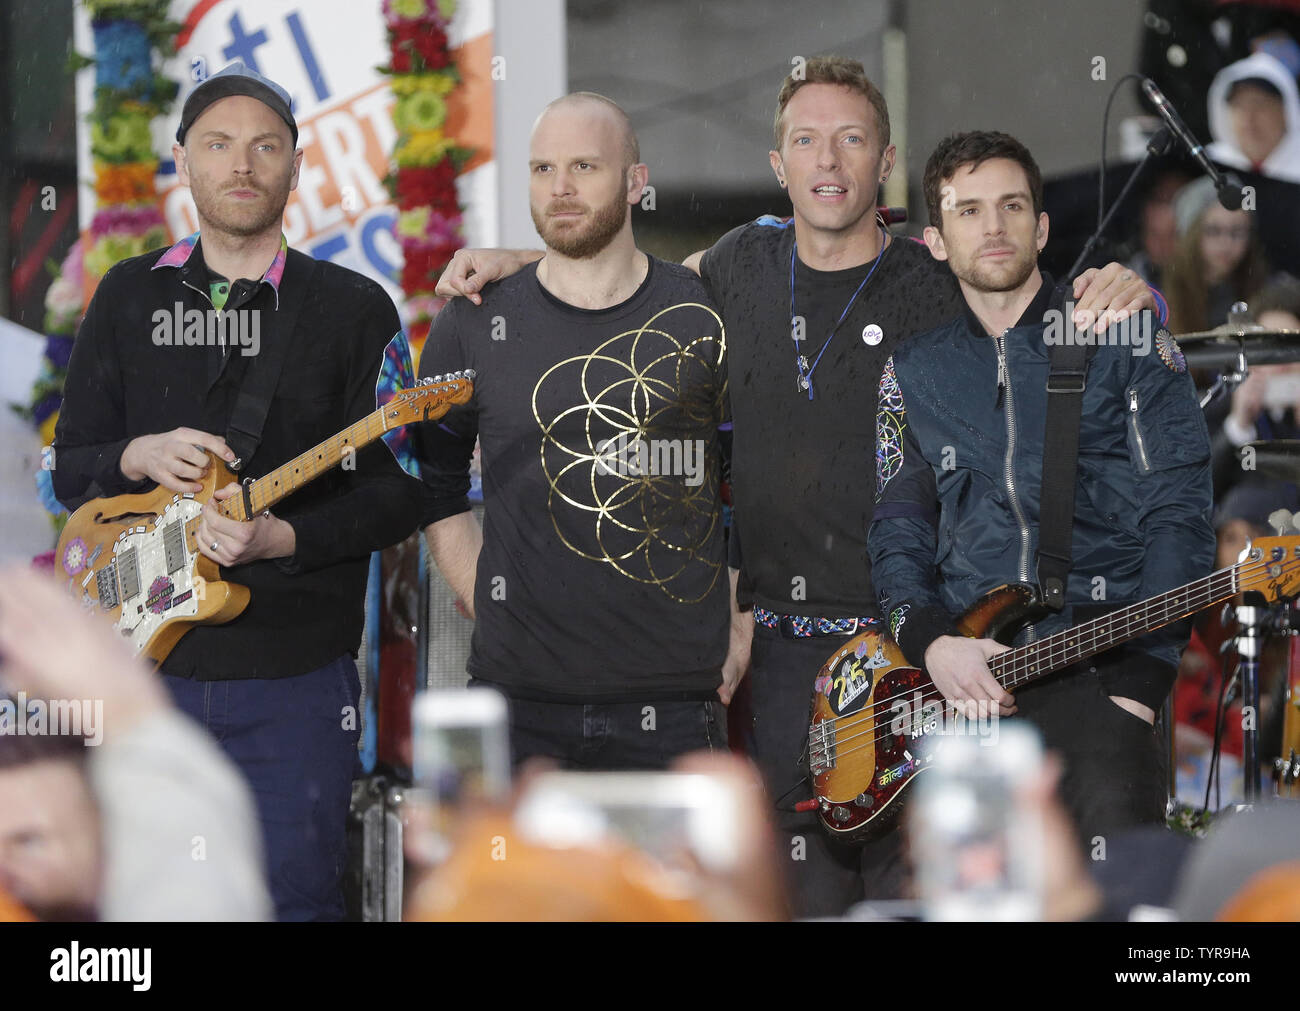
(469, 373)
(1282, 521)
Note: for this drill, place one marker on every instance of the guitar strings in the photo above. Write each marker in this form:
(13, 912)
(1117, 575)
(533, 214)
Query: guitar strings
(1019, 658)
(308, 470)
(857, 719)
(1021, 662)
(933, 695)
(1021, 654)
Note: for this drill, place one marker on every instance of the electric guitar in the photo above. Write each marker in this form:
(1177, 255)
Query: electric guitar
(876, 719)
(134, 558)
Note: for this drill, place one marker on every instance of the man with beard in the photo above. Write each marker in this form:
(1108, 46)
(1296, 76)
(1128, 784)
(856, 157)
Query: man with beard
(598, 581)
(959, 462)
(277, 685)
(813, 306)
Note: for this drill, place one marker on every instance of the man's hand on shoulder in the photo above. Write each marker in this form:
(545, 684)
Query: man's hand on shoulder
(959, 668)
(175, 459)
(692, 262)
(1109, 295)
(471, 269)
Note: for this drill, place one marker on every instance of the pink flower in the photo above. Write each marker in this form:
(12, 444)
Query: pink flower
(123, 218)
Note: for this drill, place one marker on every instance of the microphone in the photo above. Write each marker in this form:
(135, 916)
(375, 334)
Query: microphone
(1228, 186)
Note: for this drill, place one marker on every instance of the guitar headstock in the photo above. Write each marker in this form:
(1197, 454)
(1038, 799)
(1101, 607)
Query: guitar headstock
(430, 400)
(1271, 566)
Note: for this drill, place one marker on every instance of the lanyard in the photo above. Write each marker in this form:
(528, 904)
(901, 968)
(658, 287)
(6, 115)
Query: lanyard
(801, 362)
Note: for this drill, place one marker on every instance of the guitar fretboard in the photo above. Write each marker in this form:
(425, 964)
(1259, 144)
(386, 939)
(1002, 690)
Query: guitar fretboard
(1036, 659)
(270, 488)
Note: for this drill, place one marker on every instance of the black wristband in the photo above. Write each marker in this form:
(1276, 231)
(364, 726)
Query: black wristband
(919, 627)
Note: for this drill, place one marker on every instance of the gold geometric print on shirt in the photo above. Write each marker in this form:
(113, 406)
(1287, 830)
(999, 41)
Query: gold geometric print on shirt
(611, 502)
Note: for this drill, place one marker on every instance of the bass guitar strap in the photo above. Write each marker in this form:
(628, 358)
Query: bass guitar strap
(1067, 378)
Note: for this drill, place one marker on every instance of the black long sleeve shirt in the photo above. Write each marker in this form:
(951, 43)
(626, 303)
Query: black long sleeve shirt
(305, 610)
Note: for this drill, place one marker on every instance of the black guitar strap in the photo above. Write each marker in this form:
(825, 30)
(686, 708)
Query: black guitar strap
(1067, 378)
(253, 402)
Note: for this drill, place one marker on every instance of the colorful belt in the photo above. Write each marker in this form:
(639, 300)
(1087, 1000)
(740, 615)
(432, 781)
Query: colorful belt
(796, 626)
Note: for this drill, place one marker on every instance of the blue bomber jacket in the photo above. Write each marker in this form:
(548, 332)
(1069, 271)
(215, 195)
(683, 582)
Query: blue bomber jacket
(959, 465)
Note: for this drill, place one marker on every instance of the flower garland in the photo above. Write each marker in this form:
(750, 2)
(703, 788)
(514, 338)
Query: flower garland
(427, 161)
(131, 39)
(129, 94)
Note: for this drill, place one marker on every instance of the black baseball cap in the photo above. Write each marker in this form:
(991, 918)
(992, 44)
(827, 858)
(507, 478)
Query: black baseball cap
(236, 79)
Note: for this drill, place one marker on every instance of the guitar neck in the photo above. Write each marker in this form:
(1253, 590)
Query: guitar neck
(1026, 663)
(269, 489)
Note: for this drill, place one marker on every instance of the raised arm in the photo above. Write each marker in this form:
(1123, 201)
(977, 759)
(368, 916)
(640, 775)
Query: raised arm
(470, 269)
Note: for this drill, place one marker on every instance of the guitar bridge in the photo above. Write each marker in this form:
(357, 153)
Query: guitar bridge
(106, 585)
(821, 747)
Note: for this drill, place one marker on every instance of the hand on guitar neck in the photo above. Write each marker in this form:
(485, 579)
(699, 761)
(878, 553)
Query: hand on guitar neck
(959, 668)
(230, 542)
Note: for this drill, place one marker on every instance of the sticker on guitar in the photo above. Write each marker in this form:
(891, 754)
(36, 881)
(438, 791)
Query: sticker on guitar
(854, 678)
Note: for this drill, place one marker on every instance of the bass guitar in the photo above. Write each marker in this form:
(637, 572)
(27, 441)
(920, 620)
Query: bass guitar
(134, 558)
(876, 719)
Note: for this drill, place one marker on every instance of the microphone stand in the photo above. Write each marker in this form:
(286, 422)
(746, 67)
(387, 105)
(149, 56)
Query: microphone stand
(1159, 143)
(1253, 626)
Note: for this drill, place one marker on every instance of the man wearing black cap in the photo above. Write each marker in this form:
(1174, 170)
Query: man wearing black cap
(277, 685)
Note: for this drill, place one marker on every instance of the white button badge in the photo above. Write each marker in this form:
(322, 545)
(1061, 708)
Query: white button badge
(872, 334)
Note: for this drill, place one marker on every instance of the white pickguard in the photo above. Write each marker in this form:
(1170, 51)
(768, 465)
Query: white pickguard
(163, 595)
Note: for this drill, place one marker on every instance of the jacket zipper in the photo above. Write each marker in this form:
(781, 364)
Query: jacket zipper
(1137, 431)
(1004, 381)
(205, 294)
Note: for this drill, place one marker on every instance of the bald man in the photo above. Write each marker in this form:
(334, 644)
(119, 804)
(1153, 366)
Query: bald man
(598, 581)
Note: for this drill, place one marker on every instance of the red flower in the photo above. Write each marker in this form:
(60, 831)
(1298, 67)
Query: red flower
(431, 44)
(423, 267)
(401, 38)
(427, 186)
(429, 41)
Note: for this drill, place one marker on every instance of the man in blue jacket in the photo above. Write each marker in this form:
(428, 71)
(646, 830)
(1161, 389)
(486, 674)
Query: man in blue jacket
(959, 461)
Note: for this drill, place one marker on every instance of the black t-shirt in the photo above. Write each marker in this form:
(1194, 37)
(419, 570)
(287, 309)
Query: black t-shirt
(803, 472)
(603, 570)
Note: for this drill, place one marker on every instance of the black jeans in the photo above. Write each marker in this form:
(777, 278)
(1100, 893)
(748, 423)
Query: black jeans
(822, 877)
(613, 735)
(1115, 766)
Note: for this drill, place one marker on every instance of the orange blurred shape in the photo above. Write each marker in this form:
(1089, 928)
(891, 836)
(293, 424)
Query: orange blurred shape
(469, 107)
(1271, 896)
(12, 912)
(493, 875)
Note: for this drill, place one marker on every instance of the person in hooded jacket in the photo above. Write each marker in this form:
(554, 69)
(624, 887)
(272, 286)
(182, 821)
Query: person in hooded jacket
(1254, 109)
